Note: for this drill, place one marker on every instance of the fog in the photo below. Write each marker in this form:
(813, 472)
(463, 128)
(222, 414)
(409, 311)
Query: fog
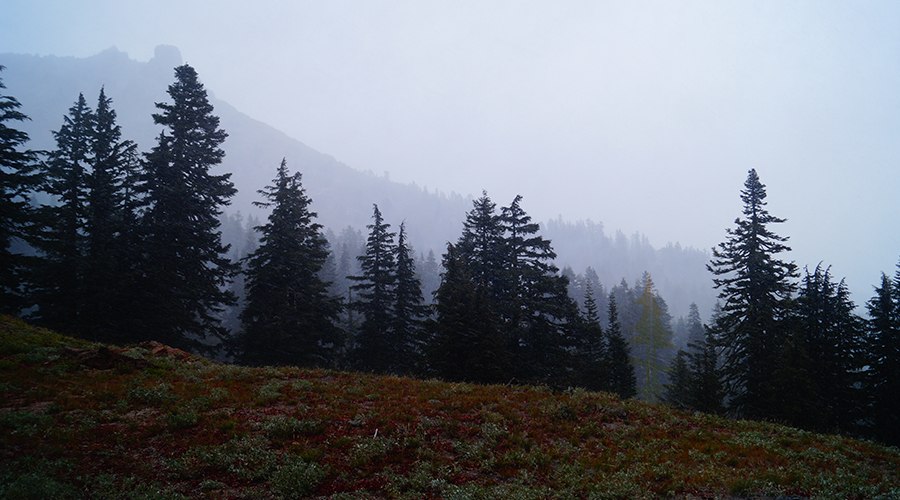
(643, 115)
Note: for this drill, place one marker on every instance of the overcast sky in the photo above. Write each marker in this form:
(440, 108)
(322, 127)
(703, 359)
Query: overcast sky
(645, 116)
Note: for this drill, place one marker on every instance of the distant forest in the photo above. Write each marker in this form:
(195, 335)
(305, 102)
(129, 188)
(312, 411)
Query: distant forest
(107, 243)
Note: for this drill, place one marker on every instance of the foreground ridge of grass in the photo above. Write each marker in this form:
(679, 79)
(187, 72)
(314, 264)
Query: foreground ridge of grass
(80, 420)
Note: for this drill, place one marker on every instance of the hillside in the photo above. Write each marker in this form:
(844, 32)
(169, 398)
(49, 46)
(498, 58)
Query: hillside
(342, 196)
(88, 421)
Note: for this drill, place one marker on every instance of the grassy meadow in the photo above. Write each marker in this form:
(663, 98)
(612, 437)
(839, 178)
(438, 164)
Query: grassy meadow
(81, 420)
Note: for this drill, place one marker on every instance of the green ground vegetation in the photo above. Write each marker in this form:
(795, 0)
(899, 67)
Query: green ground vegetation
(81, 420)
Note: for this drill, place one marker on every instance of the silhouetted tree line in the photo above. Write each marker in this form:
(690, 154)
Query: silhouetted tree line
(124, 247)
(105, 243)
(788, 351)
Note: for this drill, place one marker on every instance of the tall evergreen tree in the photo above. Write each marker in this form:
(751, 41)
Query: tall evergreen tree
(592, 352)
(529, 257)
(16, 181)
(409, 310)
(87, 236)
(883, 384)
(482, 247)
(342, 285)
(533, 300)
(621, 381)
(575, 290)
(110, 226)
(184, 264)
(591, 313)
(755, 288)
(481, 250)
(352, 245)
(591, 280)
(377, 347)
(289, 317)
(63, 240)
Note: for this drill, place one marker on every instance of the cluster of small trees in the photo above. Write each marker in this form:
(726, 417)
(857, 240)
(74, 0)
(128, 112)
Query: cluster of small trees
(502, 311)
(787, 351)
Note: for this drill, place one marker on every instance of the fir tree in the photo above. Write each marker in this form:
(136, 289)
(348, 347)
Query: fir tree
(678, 390)
(621, 379)
(696, 333)
(755, 288)
(883, 382)
(110, 226)
(600, 296)
(377, 347)
(529, 257)
(629, 311)
(352, 245)
(481, 251)
(834, 343)
(342, 285)
(87, 236)
(592, 352)
(591, 313)
(466, 343)
(533, 300)
(409, 311)
(63, 239)
(16, 181)
(575, 290)
(184, 265)
(482, 247)
(289, 317)
(431, 276)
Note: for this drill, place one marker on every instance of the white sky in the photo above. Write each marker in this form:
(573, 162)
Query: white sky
(643, 115)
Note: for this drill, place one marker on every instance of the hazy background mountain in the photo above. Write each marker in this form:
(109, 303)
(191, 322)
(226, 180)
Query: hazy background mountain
(342, 196)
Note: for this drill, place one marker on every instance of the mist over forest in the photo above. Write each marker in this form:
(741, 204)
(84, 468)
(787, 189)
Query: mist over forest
(342, 196)
(112, 241)
(441, 250)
